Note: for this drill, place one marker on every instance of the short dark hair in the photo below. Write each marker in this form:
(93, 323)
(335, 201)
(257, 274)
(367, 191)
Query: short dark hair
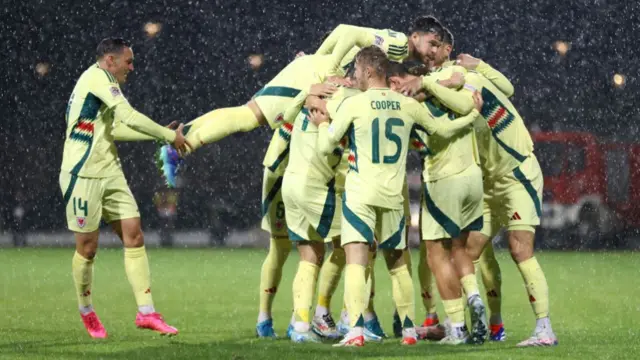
(448, 37)
(351, 70)
(376, 58)
(407, 68)
(428, 25)
(110, 46)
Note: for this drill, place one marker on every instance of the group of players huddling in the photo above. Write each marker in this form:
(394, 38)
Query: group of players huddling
(335, 171)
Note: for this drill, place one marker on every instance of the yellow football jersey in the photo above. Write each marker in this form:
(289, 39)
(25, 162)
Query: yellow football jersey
(342, 41)
(444, 157)
(503, 139)
(378, 124)
(303, 158)
(89, 149)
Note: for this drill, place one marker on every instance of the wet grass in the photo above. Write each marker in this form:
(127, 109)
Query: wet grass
(211, 296)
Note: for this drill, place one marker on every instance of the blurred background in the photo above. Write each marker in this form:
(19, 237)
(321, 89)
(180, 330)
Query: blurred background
(572, 63)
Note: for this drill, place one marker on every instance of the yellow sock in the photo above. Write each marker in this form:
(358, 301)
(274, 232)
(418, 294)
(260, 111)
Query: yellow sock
(82, 270)
(454, 310)
(220, 123)
(330, 276)
(406, 254)
(371, 283)
(354, 290)
(470, 285)
(403, 293)
(304, 285)
(425, 276)
(537, 287)
(492, 280)
(136, 265)
(271, 273)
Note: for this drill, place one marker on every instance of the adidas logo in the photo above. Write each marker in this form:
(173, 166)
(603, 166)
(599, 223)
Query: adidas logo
(271, 290)
(516, 216)
(148, 291)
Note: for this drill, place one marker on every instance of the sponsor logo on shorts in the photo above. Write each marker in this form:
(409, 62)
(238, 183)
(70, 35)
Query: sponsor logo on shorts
(279, 224)
(516, 216)
(114, 91)
(81, 221)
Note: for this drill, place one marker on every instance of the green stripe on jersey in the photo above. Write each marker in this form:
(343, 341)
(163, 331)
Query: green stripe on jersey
(277, 91)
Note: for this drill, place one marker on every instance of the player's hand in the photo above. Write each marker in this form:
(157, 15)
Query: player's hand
(467, 61)
(300, 53)
(318, 117)
(455, 81)
(421, 96)
(180, 143)
(477, 100)
(321, 90)
(337, 80)
(411, 87)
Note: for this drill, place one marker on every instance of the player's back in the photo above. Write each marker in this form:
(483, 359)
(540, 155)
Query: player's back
(378, 142)
(304, 158)
(503, 139)
(301, 73)
(89, 150)
(445, 157)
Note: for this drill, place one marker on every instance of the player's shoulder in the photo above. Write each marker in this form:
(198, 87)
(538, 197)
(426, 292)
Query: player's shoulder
(96, 75)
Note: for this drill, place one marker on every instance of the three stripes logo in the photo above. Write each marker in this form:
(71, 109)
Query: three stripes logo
(516, 216)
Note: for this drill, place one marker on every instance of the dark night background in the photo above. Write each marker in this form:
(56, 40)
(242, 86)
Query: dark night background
(198, 62)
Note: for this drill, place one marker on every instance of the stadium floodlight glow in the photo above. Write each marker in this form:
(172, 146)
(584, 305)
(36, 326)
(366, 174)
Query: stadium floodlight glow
(152, 28)
(42, 68)
(255, 61)
(619, 80)
(562, 47)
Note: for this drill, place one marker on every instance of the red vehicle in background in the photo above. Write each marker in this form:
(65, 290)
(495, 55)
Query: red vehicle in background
(591, 186)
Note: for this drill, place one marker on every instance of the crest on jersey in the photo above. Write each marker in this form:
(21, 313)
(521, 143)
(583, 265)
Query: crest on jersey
(114, 91)
(379, 40)
(81, 221)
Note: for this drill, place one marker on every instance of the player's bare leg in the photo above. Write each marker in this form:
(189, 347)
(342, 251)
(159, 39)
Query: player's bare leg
(521, 248)
(466, 273)
(357, 254)
(136, 266)
(403, 293)
(207, 129)
(439, 258)
(304, 285)
(82, 270)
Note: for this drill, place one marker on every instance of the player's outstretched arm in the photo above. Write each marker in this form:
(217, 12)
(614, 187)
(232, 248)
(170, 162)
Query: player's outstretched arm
(423, 117)
(124, 133)
(343, 39)
(142, 124)
(496, 77)
(460, 101)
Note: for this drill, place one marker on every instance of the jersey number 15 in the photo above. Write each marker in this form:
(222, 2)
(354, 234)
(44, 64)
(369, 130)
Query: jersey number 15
(389, 124)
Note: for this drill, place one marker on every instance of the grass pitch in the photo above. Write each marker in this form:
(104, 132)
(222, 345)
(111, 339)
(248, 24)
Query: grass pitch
(211, 296)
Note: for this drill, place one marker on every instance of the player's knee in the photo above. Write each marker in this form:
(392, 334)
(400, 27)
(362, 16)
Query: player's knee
(520, 245)
(134, 239)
